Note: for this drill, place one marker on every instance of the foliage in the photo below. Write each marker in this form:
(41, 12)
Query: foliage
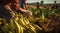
(22, 24)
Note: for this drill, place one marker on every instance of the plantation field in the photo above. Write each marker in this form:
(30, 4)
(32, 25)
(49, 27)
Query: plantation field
(34, 6)
(44, 20)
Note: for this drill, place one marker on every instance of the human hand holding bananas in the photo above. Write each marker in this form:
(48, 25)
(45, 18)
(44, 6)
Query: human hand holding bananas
(26, 12)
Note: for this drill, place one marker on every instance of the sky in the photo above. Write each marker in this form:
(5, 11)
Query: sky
(45, 1)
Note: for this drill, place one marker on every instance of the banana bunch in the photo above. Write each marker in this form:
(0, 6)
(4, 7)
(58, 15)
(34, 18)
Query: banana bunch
(27, 26)
(20, 24)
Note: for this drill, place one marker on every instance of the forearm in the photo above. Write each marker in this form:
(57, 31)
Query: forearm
(26, 12)
(17, 8)
(22, 10)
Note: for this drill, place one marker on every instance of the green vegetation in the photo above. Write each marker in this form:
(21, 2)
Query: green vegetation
(39, 24)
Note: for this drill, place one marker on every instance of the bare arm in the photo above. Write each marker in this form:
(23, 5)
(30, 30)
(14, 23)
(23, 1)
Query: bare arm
(15, 6)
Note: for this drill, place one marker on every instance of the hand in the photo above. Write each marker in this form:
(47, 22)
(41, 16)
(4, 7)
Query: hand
(26, 12)
(29, 13)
